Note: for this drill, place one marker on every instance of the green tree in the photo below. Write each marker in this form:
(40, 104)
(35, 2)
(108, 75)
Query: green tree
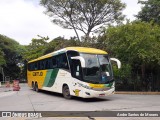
(41, 46)
(137, 44)
(36, 48)
(2, 59)
(123, 77)
(10, 55)
(59, 43)
(135, 41)
(84, 15)
(150, 11)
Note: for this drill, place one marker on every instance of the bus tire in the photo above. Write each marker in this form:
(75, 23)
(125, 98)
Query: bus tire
(36, 87)
(66, 92)
(33, 86)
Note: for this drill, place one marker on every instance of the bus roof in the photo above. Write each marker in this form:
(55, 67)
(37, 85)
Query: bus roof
(78, 49)
(86, 50)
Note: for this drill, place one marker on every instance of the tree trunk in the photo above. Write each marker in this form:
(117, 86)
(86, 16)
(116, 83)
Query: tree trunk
(77, 34)
(87, 38)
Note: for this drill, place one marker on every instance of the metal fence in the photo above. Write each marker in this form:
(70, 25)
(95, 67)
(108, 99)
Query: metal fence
(135, 82)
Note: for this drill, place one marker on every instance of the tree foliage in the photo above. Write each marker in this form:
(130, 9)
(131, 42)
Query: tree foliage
(10, 54)
(84, 15)
(135, 41)
(136, 44)
(36, 48)
(150, 11)
(2, 59)
(59, 43)
(43, 45)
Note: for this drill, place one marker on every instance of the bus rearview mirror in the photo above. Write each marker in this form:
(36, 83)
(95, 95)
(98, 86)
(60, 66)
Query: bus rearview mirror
(81, 59)
(117, 61)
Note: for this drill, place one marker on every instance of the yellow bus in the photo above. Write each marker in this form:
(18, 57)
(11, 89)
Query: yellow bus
(73, 71)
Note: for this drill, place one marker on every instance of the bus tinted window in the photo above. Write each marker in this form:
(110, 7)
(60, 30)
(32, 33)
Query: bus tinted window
(41, 65)
(30, 66)
(62, 61)
(45, 63)
(54, 62)
(35, 66)
(50, 64)
(59, 61)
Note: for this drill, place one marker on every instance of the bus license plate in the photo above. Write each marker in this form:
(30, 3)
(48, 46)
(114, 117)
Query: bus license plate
(101, 94)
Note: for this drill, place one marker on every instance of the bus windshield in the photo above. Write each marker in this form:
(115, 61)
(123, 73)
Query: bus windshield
(97, 68)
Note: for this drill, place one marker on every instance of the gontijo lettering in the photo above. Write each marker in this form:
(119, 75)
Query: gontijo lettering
(37, 73)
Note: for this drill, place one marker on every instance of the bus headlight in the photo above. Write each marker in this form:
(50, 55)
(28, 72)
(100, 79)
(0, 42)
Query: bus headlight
(85, 86)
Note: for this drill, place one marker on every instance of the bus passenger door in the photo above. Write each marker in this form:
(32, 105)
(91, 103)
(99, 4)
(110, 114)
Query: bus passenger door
(76, 72)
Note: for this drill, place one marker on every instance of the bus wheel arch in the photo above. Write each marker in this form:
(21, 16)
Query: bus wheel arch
(66, 91)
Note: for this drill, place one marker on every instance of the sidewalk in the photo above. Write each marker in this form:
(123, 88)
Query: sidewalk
(5, 89)
(137, 93)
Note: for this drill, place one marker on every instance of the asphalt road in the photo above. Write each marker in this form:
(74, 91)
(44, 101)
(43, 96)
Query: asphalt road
(28, 100)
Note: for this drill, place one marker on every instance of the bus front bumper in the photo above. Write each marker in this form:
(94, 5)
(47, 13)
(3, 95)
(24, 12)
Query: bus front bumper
(93, 93)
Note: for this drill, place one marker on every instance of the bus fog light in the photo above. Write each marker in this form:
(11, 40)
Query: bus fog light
(87, 93)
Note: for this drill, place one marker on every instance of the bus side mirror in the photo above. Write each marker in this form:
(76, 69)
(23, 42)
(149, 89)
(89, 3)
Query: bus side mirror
(81, 59)
(118, 62)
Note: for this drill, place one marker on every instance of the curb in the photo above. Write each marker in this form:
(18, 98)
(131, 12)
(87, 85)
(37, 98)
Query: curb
(138, 93)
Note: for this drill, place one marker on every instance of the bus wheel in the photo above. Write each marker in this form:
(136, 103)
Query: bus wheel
(36, 87)
(66, 92)
(33, 86)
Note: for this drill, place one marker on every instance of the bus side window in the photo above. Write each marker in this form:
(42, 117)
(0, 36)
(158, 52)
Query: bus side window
(30, 66)
(59, 61)
(62, 61)
(54, 62)
(35, 66)
(50, 63)
(38, 66)
(45, 63)
(65, 62)
(41, 65)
